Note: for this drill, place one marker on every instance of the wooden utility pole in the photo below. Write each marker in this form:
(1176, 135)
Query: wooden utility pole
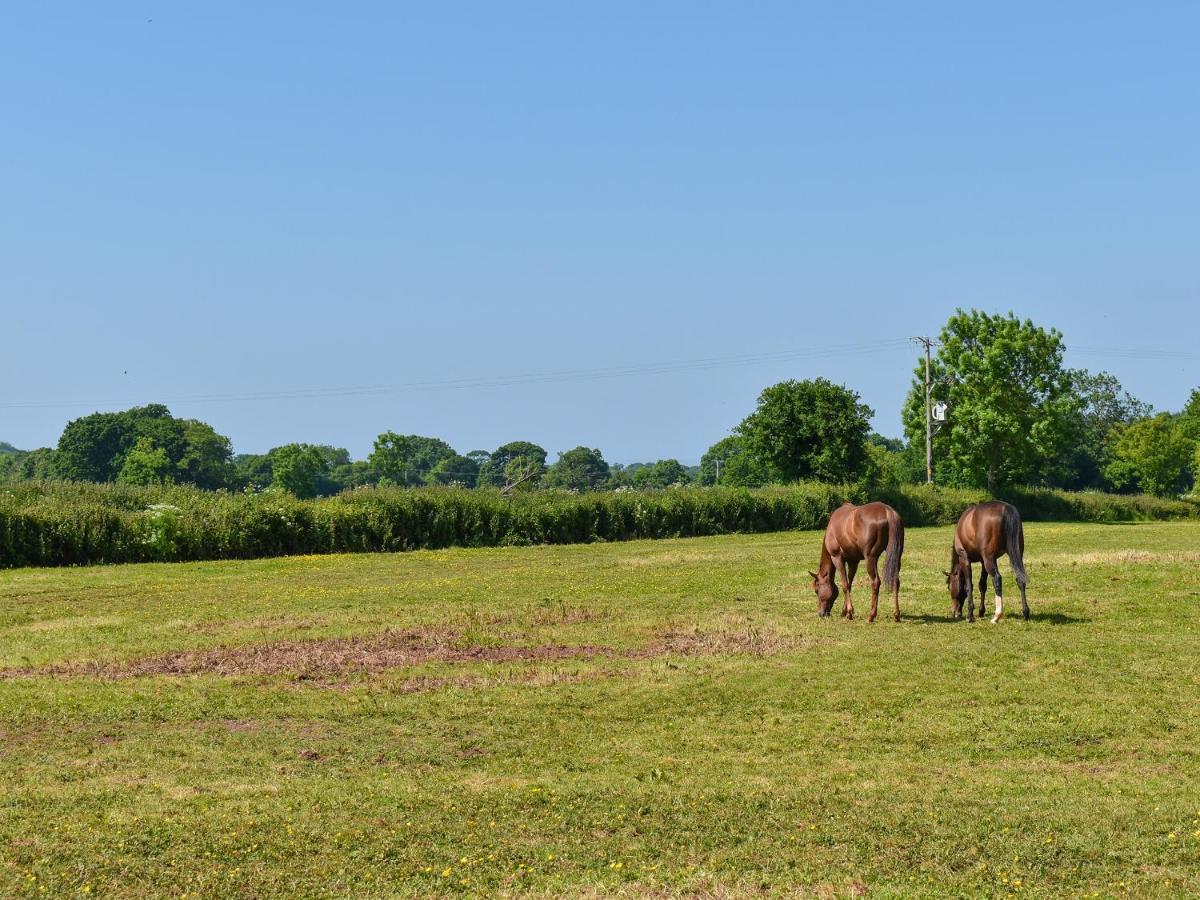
(927, 343)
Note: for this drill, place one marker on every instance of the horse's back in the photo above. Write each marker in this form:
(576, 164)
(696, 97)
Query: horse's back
(855, 530)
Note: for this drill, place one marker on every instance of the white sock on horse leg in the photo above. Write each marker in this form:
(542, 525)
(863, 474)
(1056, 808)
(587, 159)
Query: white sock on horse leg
(999, 609)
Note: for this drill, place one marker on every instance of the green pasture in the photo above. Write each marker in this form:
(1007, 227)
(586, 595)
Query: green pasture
(651, 718)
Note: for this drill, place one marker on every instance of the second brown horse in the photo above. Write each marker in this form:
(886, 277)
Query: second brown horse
(984, 532)
(856, 533)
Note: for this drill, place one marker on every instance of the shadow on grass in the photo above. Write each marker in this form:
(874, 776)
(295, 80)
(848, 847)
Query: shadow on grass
(1054, 618)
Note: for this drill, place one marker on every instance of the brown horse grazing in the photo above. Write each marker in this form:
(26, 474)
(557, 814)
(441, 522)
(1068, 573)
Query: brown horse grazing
(984, 532)
(856, 533)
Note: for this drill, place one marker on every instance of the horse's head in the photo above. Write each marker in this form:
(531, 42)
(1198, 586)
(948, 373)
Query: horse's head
(826, 590)
(958, 581)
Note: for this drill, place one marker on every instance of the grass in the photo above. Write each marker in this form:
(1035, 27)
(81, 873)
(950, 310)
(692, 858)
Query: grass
(647, 718)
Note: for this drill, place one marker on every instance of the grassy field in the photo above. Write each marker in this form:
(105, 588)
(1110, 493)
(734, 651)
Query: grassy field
(640, 719)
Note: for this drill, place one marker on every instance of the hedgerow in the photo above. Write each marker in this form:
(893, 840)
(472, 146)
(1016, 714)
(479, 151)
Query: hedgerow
(63, 523)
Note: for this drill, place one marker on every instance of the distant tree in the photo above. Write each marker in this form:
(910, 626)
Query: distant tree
(730, 463)
(356, 473)
(6, 447)
(146, 464)
(1189, 418)
(94, 447)
(459, 470)
(406, 459)
(297, 469)
(581, 469)
(1152, 455)
(809, 429)
(207, 457)
(24, 465)
(1101, 405)
(1010, 403)
(892, 445)
(661, 474)
(252, 471)
(513, 462)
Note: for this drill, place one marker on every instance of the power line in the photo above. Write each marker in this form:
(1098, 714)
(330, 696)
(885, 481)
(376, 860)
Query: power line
(578, 375)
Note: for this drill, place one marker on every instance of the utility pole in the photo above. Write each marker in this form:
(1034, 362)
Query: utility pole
(717, 480)
(927, 343)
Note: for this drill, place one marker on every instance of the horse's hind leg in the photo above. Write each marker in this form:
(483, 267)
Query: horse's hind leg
(982, 589)
(873, 571)
(989, 564)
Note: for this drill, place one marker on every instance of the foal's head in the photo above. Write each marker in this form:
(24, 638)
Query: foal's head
(958, 581)
(827, 592)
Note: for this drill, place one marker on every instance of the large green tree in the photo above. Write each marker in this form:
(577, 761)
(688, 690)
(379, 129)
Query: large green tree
(1010, 403)
(94, 447)
(809, 429)
(407, 459)
(580, 469)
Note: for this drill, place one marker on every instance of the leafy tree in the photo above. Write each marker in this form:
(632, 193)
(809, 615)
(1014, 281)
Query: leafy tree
(513, 462)
(406, 459)
(146, 464)
(809, 429)
(94, 447)
(25, 465)
(581, 469)
(6, 447)
(207, 457)
(738, 466)
(297, 469)
(1102, 405)
(660, 474)
(1189, 418)
(1010, 404)
(461, 470)
(252, 471)
(1151, 455)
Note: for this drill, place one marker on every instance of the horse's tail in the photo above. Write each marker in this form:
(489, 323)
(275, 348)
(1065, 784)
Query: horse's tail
(895, 549)
(1014, 539)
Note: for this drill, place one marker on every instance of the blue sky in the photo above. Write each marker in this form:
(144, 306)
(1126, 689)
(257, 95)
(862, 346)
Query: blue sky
(219, 199)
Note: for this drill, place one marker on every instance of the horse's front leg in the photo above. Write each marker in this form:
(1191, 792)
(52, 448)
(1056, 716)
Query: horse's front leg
(847, 570)
(873, 571)
(982, 589)
(970, 587)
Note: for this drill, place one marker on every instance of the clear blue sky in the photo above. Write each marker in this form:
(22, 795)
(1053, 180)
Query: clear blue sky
(213, 199)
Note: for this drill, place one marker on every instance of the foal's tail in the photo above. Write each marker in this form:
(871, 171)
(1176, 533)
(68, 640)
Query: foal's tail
(1014, 539)
(895, 549)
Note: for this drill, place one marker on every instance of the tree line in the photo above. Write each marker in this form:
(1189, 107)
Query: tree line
(1016, 417)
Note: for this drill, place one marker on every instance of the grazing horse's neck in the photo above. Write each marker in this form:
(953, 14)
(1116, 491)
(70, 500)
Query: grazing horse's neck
(826, 567)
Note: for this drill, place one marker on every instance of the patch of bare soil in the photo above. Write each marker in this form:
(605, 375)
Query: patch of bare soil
(331, 657)
(737, 642)
(312, 658)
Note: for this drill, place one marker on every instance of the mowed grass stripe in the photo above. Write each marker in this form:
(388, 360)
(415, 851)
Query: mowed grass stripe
(931, 757)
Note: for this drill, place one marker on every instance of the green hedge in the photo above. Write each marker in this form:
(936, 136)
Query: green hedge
(56, 523)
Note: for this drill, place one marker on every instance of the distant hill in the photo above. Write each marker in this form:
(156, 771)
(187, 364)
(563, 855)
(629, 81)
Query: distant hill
(8, 448)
